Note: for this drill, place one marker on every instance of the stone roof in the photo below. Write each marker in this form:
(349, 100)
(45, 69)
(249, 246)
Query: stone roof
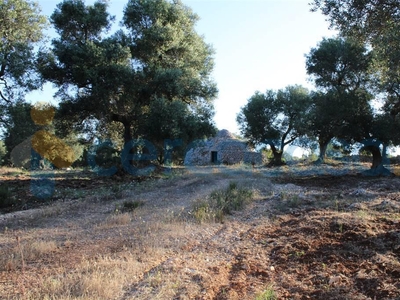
(228, 148)
(225, 134)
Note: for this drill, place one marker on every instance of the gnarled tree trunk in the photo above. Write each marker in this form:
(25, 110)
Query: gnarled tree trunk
(277, 160)
(376, 156)
(377, 168)
(323, 146)
(127, 126)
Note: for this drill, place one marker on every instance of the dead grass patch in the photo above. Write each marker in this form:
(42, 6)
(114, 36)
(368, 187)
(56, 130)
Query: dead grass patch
(337, 239)
(118, 219)
(96, 278)
(15, 256)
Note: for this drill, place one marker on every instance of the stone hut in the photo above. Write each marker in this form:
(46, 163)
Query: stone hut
(224, 148)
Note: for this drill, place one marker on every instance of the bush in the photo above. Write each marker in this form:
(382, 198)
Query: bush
(202, 211)
(128, 206)
(5, 197)
(233, 198)
(132, 205)
(221, 203)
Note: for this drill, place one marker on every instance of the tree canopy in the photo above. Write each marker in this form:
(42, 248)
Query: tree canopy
(174, 124)
(159, 55)
(21, 28)
(275, 118)
(341, 109)
(377, 24)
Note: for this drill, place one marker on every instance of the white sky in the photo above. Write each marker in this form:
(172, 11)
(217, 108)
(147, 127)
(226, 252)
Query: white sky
(259, 44)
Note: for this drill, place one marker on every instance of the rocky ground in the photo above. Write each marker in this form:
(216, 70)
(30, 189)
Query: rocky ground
(308, 233)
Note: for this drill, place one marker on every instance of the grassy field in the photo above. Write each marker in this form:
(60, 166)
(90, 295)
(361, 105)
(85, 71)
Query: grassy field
(295, 232)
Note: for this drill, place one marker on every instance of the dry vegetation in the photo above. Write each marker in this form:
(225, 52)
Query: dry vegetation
(210, 233)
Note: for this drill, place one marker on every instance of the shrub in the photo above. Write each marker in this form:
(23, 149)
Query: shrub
(202, 211)
(231, 199)
(221, 203)
(129, 205)
(5, 197)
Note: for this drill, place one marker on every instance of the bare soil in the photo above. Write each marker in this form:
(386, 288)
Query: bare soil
(304, 236)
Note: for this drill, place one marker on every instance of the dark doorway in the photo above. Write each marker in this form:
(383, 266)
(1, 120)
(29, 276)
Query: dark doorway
(214, 157)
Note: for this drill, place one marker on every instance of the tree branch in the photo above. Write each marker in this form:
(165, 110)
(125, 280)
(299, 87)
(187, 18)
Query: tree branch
(3, 67)
(289, 141)
(4, 98)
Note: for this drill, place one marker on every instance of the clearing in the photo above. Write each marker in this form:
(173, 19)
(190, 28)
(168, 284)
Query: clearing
(307, 233)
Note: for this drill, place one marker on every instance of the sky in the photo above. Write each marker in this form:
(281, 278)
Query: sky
(259, 45)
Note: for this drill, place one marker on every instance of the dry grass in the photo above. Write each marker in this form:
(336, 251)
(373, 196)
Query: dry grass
(16, 256)
(83, 249)
(12, 171)
(96, 278)
(36, 249)
(119, 219)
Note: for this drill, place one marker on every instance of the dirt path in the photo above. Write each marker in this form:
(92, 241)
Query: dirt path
(302, 237)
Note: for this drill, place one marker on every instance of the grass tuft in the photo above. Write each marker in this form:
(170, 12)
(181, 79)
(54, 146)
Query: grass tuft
(128, 206)
(221, 203)
(119, 219)
(132, 205)
(268, 294)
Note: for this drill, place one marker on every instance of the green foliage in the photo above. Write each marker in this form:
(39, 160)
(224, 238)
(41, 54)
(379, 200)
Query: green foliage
(233, 198)
(267, 154)
(5, 197)
(75, 145)
(275, 118)
(340, 64)
(221, 203)
(19, 128)
(75, 21)
(336, 148)
(158, 56)
(20, 30)
(129, 206)
(375, 23)
(268, 294)
(33, 126)
(340, 107)
(107, 157)
(3, 152)
(294, 201)
(386, 127)
(177, 121)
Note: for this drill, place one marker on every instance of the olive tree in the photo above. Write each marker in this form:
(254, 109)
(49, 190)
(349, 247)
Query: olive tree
(276, 118)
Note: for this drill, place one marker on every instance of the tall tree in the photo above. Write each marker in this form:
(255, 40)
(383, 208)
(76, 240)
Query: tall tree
(275, 119)
(21, 28)
(339, 68)
(116, 78)
(376, 23)
(87, 67)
